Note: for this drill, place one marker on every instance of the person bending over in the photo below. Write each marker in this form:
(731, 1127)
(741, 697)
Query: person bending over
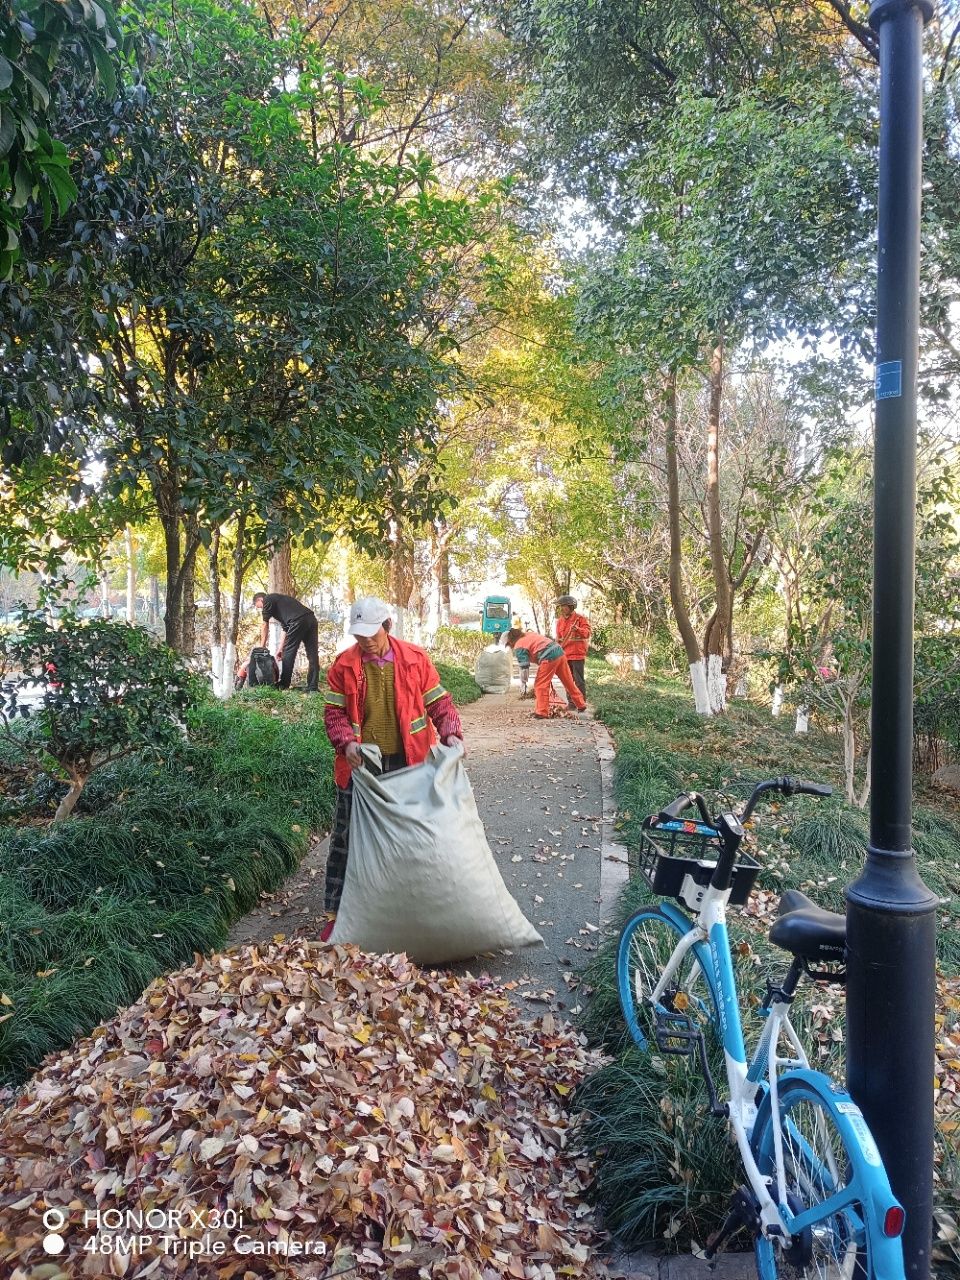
(299, 627)
(530, 647)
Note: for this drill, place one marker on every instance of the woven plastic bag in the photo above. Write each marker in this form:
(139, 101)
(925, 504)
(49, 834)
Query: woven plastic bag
(494, 669)
(420, 875)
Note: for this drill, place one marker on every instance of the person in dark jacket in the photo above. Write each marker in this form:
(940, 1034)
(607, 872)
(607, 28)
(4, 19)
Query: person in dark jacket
(299, 626)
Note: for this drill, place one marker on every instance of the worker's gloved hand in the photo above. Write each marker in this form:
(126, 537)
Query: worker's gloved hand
(451, 740)
(352, 755)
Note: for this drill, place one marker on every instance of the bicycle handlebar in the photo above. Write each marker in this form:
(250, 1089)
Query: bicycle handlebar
(673, 811)
(786, 786)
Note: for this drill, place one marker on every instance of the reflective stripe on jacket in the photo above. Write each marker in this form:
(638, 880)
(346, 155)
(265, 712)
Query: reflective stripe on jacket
(576, 631)
(417, 687)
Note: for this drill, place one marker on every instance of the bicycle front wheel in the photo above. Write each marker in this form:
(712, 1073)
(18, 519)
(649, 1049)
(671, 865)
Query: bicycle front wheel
(687, 1003)
(820, 1167)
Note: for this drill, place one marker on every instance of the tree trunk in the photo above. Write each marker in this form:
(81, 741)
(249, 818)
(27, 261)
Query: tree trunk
(445, 609)
(280, 572)
(677, 598)
(67, 804)
(233, 628)
(105, 610)
(718, 636)
(865, 793)
(849, 752)
(131, 577)
(154, 614)
(188, 606)
(401, 576)
(216, 615)
(172, 614)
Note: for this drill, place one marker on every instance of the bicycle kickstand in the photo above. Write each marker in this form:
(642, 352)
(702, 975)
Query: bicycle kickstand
(742, 1213)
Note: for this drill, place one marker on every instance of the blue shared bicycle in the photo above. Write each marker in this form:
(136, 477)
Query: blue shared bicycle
(816, 1198)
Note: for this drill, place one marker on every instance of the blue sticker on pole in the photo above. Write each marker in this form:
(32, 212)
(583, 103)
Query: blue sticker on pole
(889, 379)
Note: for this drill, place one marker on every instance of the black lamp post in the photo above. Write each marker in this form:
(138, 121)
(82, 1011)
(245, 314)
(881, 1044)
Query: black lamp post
(891, 914)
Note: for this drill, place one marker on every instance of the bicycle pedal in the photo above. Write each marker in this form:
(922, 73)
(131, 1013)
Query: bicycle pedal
(675, 1033)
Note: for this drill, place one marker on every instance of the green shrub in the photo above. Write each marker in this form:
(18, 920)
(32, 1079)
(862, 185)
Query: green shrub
(459, 683)
(161, 859)
(458, 645)
(107, 689)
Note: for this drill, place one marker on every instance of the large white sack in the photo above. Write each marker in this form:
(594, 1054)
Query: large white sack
(420, 875)
(494, 669)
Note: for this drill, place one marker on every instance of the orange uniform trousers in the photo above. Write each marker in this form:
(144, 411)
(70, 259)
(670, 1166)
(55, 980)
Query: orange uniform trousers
(541, 685)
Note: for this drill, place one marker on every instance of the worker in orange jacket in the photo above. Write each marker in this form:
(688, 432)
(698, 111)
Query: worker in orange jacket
(573, 633)
(530, 647)
(387, 692)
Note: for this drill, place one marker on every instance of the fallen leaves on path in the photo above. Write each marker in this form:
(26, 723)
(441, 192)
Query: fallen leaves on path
(413, 1122)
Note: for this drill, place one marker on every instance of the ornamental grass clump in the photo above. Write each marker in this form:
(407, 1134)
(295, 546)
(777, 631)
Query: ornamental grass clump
(665, 1167)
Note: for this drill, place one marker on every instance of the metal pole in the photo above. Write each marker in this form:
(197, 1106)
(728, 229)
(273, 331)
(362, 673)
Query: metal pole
(891, 914)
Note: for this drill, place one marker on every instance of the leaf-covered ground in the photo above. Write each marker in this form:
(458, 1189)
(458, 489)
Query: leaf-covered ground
(406, 1123)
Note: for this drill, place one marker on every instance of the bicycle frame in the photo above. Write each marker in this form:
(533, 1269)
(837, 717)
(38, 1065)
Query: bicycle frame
(754, 1084)
(823, 1185)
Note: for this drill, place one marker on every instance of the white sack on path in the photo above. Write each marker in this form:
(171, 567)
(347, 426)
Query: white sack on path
(420, 876)
(494, 669)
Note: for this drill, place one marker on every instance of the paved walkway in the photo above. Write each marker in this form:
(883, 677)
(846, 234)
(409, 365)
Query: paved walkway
(538, 789)
(544, 792)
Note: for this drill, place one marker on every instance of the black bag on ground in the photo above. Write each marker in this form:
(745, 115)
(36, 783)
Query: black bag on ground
(262, 668)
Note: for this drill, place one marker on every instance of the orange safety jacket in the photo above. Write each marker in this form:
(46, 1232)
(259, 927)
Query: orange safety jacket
(417, 688)
(533, 647)
(576, 631)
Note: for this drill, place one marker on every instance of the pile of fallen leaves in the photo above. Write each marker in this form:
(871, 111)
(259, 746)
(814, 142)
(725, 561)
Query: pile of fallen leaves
(413, 1123)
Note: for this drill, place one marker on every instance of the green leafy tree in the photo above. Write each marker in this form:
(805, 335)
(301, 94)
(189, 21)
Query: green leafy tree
(76, 697)
(265, 320)
(37, 38)
(829, 652)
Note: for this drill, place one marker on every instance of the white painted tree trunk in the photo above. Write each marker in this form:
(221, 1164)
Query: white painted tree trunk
(742, 689)
(131, 577)
(216, 667)
(776, 706)
(698, 679)
(716, 684)
(803, 720)
(400, 625)
(228, 667)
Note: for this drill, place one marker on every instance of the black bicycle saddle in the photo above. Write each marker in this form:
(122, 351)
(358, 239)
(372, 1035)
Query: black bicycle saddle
(808, 931)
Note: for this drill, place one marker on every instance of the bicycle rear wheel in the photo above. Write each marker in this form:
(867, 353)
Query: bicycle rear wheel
(687, 1003)
(819, 1165)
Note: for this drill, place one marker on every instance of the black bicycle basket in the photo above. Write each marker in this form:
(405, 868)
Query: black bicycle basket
(670, 851)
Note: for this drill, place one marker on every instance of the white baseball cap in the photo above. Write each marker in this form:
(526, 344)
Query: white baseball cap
(368, 615)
